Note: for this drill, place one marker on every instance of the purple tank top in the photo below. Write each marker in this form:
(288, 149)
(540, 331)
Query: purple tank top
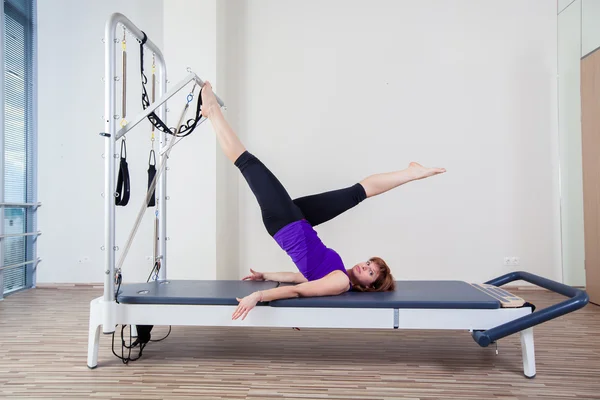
(313, 259)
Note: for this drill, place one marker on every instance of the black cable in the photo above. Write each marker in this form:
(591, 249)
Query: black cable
(142, 345)
(119, 280)
(143, 342)
(124, 346)
(155, 268)
(161, 339)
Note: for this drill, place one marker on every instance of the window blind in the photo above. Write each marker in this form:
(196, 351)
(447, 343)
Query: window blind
(18, 141)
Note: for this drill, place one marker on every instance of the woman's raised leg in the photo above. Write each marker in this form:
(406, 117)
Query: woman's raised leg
(275, 203)
(380, 183)
(322, 207)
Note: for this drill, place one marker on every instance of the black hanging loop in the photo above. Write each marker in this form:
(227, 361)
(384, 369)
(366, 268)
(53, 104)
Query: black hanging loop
(123, 183)
(151, 174)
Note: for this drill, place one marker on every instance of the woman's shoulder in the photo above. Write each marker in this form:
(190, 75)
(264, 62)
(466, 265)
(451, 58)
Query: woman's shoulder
(342, 274)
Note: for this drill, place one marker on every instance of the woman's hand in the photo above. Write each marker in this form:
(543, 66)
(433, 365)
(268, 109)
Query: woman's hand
(246, 304)
(254, 276)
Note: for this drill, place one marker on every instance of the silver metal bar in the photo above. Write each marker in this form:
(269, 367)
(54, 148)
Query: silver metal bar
(9, 235)
(200, 83)
(161, 184)
(111, 129)
(21, 204)
(109, 148)
(3, 267)
(142, 116)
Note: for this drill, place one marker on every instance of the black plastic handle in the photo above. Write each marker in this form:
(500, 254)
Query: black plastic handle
(577, 299)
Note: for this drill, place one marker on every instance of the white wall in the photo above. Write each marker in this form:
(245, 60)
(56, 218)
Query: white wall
(335, 91)
(324, 94)
(230, 76)
(190, 40)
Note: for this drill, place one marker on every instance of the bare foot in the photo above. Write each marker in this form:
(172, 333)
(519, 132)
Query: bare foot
(421, 172)
(209, 101)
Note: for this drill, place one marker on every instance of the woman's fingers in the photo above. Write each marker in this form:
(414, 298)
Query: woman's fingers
(253, 276)
(237, 310)
(236, 313)
(241, 310)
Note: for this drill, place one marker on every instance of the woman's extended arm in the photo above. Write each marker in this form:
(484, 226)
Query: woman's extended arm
(331, 285)
(288, 277)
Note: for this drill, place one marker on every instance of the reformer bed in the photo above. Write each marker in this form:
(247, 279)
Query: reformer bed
(487, 311)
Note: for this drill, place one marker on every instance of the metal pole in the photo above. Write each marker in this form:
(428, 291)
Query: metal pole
(9, 235)
(109, 151)
(14, 204)
(162, 179)
(110, 142)
(35, 262)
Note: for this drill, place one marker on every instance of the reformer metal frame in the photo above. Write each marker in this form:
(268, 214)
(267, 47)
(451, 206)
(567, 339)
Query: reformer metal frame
(111, 135)
(486, 325)
(314, 318)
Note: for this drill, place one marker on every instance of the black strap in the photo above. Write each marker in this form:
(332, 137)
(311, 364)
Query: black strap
(185, 128)
(151, 174)
(123, 184)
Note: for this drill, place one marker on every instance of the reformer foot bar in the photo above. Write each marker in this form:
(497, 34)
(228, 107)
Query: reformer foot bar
(436, 305)
(577, 299)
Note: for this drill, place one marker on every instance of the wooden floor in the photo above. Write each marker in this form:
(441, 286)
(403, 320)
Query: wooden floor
(43, 349)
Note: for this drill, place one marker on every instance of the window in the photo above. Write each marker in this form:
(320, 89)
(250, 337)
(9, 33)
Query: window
(18, 138)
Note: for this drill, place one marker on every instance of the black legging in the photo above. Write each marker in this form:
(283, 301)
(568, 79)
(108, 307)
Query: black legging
(277, 207)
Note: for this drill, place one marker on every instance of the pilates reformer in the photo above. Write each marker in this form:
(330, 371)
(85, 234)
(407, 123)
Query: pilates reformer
(487, 311)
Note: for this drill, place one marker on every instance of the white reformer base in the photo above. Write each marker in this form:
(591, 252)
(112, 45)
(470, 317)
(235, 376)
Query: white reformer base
(302, 317)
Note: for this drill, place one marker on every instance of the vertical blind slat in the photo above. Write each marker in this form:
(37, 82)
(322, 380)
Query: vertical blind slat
(18, 135)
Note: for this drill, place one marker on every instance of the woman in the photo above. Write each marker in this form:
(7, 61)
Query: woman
(290, 223)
